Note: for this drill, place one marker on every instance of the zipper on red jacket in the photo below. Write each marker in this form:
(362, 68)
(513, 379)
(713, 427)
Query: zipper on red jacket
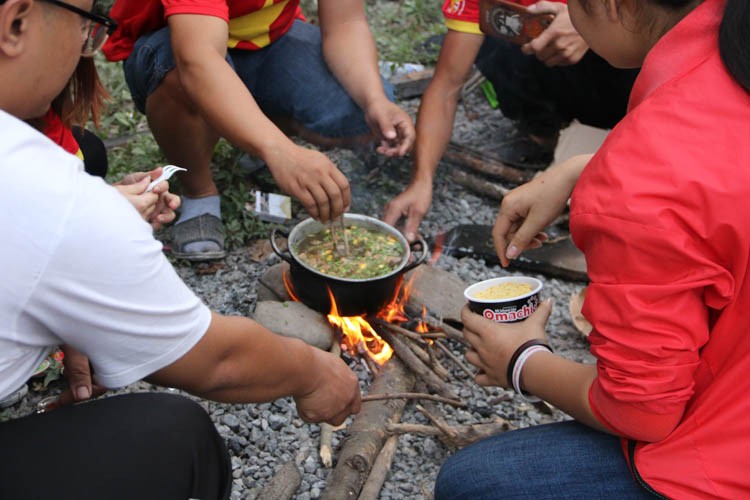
(636, 474)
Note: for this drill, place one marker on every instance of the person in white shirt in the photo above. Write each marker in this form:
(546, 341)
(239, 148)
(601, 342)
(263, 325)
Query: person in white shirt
(80, 267)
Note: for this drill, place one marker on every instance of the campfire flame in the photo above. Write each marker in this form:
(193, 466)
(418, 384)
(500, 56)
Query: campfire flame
(437, 249)
(357, 335)
(289, 287)
(422, 327)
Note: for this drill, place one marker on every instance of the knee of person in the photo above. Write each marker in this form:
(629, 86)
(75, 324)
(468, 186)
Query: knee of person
(178, 414)
(335, 118)
(450, 477)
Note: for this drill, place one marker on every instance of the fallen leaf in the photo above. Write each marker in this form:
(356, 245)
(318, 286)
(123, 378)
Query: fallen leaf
(259, 250)
(209, 267)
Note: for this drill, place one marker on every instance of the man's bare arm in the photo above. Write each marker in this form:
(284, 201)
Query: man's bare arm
(240, 361)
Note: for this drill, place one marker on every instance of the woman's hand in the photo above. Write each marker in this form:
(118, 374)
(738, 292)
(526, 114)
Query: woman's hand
(492, 344)
(157, 206)
(528, 209)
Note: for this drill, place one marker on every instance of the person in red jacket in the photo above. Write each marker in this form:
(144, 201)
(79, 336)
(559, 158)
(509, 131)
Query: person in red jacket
(660, 212)
(542, 86)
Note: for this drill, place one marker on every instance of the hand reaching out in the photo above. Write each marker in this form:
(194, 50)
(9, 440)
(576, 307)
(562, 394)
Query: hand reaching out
(531, 207)
(413, 204)
(392, 126)
(313, 179)
(335, 391)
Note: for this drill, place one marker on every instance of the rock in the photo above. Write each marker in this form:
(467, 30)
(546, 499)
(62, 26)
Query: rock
(440, 291)
(231, 421)
(294, 319)
(271, 284)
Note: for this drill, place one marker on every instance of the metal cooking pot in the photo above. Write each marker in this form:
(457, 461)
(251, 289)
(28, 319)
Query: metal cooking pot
(353, 296)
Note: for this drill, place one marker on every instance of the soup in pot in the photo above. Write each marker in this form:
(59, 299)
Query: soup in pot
(372, 253)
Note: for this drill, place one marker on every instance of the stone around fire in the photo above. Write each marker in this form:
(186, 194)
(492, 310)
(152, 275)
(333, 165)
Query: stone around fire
(294, 319)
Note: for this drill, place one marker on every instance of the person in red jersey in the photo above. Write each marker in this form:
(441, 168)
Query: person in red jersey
(542, 86)
(253, 71)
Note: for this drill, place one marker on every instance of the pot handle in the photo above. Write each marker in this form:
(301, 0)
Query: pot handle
(284, 256)
(422, 256)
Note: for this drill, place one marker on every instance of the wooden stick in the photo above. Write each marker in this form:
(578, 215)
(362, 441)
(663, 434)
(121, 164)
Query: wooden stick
(285, 482)
(420, 369)
(453, 333)
(455, 359)
(435, 363)
(436, 420)
(425, 356)
(417, 337)
(415, 395)
(485, 164)
(416, 349)
(368, 434)
(326, 430)
(371, 489)
(479, 184)
(464, 434)
(450, 332)
(434, 335)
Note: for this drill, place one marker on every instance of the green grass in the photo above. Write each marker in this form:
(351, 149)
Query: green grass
(400, 29)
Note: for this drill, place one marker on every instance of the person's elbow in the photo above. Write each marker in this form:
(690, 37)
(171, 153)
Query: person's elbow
(658, 428)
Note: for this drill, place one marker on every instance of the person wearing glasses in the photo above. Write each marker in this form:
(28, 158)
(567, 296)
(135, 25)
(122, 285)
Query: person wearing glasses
(81, 268)
(253, 71)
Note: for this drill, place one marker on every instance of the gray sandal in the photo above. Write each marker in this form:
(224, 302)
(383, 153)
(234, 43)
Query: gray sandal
(205, 227)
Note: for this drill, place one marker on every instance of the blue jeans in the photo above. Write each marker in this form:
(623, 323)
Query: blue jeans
(565, 460)
(287, 78)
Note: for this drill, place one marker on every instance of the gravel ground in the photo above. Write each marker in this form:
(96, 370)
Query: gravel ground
(262, 437)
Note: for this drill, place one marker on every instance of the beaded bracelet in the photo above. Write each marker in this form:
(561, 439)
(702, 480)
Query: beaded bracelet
(519, 358)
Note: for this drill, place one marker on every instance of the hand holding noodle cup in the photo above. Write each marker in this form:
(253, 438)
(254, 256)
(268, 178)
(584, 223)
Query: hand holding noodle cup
(504, 300)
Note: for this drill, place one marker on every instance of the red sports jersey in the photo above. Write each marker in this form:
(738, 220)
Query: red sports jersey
(60, 134)
(253, 24)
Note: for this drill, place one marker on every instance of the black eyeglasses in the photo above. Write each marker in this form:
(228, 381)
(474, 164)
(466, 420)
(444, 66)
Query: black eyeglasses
(96, 27)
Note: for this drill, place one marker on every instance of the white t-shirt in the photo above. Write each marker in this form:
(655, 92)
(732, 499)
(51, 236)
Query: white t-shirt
(79, 266)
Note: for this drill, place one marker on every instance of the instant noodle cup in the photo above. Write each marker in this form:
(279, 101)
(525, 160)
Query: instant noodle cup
(505, 300)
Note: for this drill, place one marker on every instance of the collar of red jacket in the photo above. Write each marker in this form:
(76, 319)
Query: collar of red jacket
(689, 43)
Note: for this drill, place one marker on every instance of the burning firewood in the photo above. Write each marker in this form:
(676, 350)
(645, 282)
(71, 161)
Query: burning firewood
(368, 434)
(419, 346)
(407, 356)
